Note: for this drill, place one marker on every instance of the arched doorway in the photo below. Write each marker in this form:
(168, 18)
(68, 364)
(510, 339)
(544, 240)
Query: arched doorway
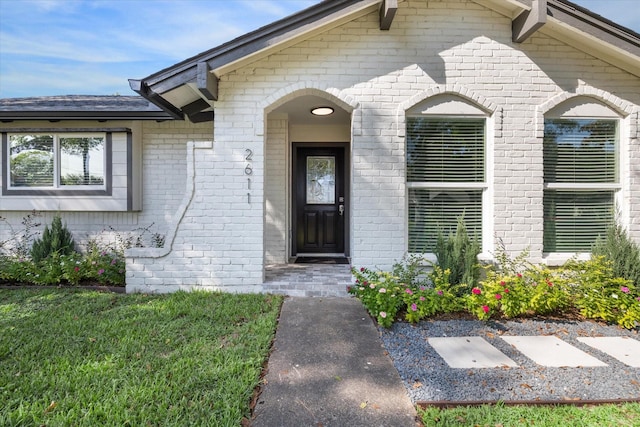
(307, 178)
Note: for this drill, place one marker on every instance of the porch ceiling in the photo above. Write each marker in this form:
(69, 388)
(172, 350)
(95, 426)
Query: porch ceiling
(299, 111)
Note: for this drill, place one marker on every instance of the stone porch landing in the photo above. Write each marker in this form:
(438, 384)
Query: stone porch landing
(308, 280)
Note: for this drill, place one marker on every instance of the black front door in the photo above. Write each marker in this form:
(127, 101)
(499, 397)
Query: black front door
(319, 199)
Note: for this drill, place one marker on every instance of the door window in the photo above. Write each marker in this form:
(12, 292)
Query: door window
(321, 180)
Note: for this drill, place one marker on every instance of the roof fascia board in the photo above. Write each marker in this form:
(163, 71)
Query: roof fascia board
(508, 8)
(268, 37)
(143, 90)
(568, 23)
(598, 27)
(9, 116)
(593, 46)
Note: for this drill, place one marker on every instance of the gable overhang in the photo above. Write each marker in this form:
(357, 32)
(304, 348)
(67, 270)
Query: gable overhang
(574, 25)
(196, 79)
(598, 37)
(80, 107)
(190, 88)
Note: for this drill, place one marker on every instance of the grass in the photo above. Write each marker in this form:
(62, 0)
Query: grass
(623, 415)
(87, 358)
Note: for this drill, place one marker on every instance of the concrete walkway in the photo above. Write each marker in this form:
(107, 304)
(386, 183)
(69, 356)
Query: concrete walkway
(328, 368)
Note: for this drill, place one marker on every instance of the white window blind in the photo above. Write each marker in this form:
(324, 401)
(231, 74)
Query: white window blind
(56, 161)
(581, 178)
(445, 176)
(31, 159)
(445, 150)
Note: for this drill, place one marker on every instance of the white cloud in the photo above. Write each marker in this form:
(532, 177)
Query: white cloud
(93, 46)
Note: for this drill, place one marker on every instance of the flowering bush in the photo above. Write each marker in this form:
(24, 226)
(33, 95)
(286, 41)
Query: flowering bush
(521, 289)
(438, 297)
(384, 295)
(104, 266)
(379, 292)
(535, 290)
(601, 295)
(103, 262)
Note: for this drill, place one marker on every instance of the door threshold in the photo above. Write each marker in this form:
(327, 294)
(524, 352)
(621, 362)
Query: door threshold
(317, 255)
(340, 259)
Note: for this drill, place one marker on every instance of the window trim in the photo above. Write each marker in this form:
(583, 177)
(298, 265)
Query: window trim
(106, 188)
(433, 185)
(555, 257)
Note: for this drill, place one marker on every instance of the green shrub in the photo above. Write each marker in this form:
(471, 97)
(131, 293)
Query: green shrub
(599, 294)
(104, 266)
(17, 270)
(408, 288)
(458, 253)
(413, 270)
(426, 301)
(380, 293)
(514, 288)
(56, 239)
(623, 253)
(536, 290)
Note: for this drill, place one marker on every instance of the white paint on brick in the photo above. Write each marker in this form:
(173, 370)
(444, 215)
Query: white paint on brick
(434, 47)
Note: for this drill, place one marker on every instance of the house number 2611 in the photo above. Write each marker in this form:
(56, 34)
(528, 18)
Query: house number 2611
(248, 170)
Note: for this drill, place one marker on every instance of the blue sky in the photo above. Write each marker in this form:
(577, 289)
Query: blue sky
(61, 47)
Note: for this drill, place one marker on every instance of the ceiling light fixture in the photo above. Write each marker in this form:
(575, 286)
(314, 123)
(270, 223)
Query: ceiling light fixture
(322, 111)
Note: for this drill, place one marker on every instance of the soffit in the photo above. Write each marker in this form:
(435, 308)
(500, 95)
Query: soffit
(582, 30)
(564, 21)
(308, 31)
(298, 111)
(592, 45)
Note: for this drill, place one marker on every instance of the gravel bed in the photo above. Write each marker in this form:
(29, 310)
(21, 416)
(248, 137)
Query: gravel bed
(428, 378)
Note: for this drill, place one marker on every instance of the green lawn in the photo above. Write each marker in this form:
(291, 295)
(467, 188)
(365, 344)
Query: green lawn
(625, 415)
(86, 358)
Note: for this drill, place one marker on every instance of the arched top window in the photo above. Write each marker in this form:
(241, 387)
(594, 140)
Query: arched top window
(446, 168)
(581, 173)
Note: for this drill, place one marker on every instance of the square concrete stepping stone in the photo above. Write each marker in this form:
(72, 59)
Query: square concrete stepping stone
(469, 352)
(626, 350)
(552, 351)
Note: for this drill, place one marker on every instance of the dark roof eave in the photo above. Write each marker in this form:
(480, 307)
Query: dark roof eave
(186, 71)
(8, 116)
(600, 22)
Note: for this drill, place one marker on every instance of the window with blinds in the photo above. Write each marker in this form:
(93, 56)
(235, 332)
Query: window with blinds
(445, 177)
(581, 178)
(56, 161)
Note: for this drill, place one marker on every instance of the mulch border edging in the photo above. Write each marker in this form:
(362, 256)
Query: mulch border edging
(447, 404)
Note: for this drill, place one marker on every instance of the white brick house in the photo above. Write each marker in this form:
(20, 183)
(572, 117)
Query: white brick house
(522, 115)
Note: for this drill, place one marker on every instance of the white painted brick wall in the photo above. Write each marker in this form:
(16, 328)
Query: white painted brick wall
(432, 47)
(164, 148)
(275, 233)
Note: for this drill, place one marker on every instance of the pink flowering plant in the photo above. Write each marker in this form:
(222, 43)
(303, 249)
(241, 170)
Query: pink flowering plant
(535, 290)
(511, 288)
(418, 295)
(379, 292)
(104, 267)
(426, 300)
